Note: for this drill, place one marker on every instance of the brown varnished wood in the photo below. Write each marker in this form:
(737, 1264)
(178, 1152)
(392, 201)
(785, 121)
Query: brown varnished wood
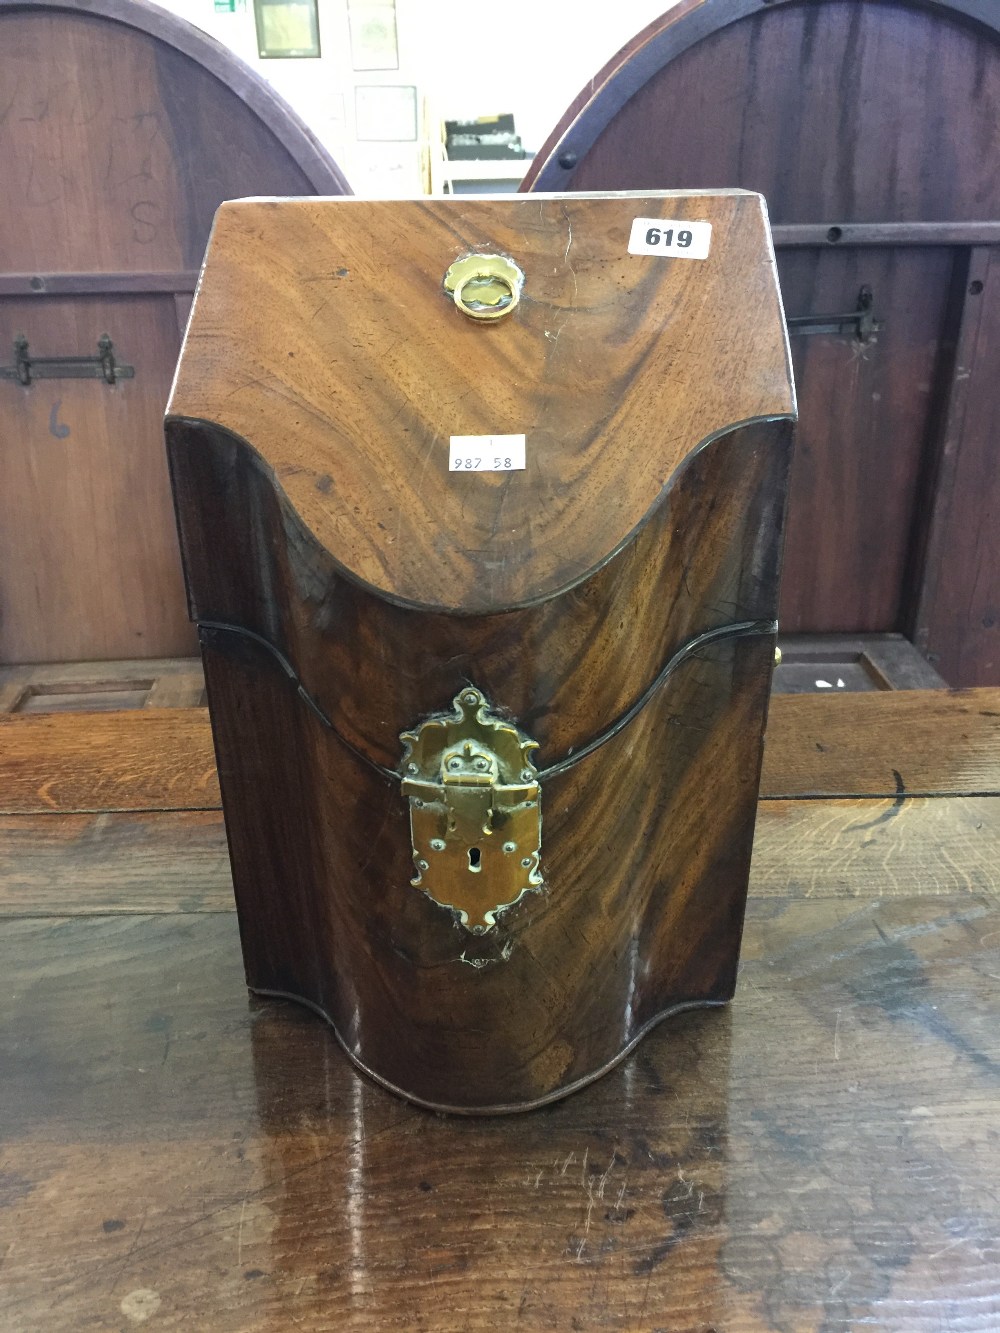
(642, 911)
(347, 585)
(869, 129)
(797, 1162)
(856, 479)
(310, 339)
(150, 758)
(819, 1155)
(816, 745)
(122, 128)
(706, 558)
(111, 861)
(89, 566)
(898, 65)
(910, 742)
(163, 861)
(102, 63)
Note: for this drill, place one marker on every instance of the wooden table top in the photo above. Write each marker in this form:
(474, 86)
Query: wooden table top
(822, 1155)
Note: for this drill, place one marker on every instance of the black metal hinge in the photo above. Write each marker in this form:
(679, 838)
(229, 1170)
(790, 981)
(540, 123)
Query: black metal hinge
(860, 322)
(26, 368)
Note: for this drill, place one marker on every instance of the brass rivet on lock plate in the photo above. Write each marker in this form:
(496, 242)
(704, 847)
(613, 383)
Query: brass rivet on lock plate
(484, 286)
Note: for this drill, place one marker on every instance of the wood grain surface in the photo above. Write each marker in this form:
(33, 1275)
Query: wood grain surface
(913, 742)
(137, 862)
(50, 687)
(957, 619)
(568, 666)
(817, 745)
(605, 349)
(812, 662)
(866, 128)
(901, 65)
(89, 566)
(115, 152)
(616, 598)
(820, 1155)
(162, 861)
(817, 1157)
(156, 758)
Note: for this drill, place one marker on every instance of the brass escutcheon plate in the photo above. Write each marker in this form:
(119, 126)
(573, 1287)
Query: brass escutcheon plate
(484, 286)
(475, 810)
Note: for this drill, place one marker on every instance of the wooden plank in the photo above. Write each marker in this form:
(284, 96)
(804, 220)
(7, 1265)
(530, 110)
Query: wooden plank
(96, 284)
(816, 1157)
(589, 120)
(180, 689)
(957, 618)
(939, 742)
(89, 673)
(151, 759)
(104, 231)
(172, 861)
(899, 665)
(88, 686)
(76, 865)
(852, 499)
(89, 565)
(885, 233)
(877, 848)
(918, 742)
(109, 699)
(14, 682)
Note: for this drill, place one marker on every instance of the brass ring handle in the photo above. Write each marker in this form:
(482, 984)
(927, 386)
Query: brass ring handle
(500, 281)
(498, 309)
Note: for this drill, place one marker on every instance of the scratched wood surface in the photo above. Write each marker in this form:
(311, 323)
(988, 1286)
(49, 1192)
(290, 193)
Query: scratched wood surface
(847, 745)
(819, 1156)
(916, 741)
(152, 861)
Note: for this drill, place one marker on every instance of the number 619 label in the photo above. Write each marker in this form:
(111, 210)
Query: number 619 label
(664, 236)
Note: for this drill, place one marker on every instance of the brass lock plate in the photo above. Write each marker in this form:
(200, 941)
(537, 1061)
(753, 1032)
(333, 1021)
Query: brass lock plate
(475, 810)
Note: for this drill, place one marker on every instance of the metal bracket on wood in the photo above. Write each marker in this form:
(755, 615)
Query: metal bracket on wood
(860, 322)
(26, 368)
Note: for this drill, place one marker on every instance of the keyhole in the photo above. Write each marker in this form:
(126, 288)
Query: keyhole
(475, 860)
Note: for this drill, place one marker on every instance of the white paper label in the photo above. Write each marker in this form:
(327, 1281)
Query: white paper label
(670, 238)
(486, 453)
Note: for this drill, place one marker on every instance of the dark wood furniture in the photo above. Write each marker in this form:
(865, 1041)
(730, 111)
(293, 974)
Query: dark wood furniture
(122, 129)
(493, 905)
(819, 1155)
(871, 128)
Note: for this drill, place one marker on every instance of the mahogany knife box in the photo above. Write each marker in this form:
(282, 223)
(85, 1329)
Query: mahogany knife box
(480, 503)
